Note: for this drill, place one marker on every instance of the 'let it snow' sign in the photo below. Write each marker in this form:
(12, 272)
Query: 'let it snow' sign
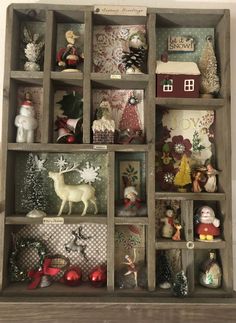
(181, 44)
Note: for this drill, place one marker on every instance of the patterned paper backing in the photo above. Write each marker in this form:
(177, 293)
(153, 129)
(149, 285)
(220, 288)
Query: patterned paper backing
(37, 100)
(120, 111)
(55, 238)
(199, 35)
(109, 43)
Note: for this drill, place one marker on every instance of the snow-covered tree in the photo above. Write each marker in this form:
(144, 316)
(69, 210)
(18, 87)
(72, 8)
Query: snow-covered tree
(34, 195)
(164, 274)
(208, 67)
(180, 284)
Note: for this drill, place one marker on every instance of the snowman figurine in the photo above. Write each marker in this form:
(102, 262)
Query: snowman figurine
(208, 226)
(168, 226)
(26, 122)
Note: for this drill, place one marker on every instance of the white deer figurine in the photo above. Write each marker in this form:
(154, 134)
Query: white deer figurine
(72, 193)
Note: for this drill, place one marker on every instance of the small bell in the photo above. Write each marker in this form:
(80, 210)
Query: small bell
(210, 272)
(45, 281)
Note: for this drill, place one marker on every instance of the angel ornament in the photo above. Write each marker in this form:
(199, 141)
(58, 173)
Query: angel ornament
(211, 173)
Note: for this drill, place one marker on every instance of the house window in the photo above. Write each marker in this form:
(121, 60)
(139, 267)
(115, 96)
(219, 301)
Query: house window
(189, 85)
(168, 86)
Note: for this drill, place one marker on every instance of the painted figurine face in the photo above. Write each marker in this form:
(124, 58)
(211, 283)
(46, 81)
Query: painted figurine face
(169, 213)
(207, 215)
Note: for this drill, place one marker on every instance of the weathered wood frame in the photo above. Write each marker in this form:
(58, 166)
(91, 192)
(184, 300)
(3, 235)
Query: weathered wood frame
(219, 19)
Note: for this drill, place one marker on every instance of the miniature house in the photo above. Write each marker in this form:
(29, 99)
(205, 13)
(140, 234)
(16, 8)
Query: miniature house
(177, 79)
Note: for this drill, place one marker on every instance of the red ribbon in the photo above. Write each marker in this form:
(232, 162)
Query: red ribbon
(171, 221)
(36, 275)
(128, 203)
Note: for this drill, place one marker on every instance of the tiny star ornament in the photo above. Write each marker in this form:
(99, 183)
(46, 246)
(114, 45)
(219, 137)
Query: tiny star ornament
(61, 163)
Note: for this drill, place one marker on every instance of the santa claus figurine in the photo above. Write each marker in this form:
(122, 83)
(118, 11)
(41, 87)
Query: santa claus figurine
(208, 226)
(68, 57)
(26, 121)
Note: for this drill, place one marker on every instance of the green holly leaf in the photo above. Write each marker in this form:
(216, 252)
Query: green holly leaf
(72, 105)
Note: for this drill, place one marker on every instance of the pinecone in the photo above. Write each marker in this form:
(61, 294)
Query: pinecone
(135, 58)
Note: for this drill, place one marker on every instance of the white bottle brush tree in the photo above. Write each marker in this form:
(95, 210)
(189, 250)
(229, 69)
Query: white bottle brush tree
(33, 192)
(33, 50)
(210, 84)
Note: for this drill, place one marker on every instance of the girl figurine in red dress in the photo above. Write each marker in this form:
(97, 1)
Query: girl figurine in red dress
(208, 228)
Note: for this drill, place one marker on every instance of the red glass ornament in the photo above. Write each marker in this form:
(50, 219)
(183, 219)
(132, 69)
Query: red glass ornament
(98, 276)
(73, 276)
(71, 139)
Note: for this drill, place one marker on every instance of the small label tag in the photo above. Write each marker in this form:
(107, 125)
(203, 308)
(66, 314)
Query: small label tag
(100, 147)
(53, 220)
(120, 10)
(181, 44)
(115, 77)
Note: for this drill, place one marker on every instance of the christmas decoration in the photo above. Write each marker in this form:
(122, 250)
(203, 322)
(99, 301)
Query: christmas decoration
(132, 267)
(73, 244)
(68, 58)
(72, 277)
(89, 174)
(98, 276)
(207, 224)
(41, 276)
(36, 214)
(177, 236)
(210, 84)
(135, 60)
(211, 173)
(129, 126)
(210, 272)
(168, 227)
(197, 147)
(180, 284)
(26, 122)
(73, 193)
(131, 240)
(177, 79)
(104, 127)
(18, 274)
(164, 275)
(198, 179)
(33, 50)
(34, 194)
(69, 126)
(183, 177)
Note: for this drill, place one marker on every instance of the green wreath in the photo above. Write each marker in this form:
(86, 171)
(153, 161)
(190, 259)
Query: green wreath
(18, 274)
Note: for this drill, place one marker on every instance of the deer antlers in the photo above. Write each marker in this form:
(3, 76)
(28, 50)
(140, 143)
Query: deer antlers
(69, 169)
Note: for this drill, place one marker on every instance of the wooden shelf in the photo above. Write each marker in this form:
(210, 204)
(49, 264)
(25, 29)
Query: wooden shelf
(35, 78)
(188, 104)
(63, 78)
(119, 81)
(190, 196)
(162, 244)
(131, 220)
(68, 219)
(76, 147)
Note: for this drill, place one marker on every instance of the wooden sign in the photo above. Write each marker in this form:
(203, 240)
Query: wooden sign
(181, 44)
(53, 220)
(120, 10)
